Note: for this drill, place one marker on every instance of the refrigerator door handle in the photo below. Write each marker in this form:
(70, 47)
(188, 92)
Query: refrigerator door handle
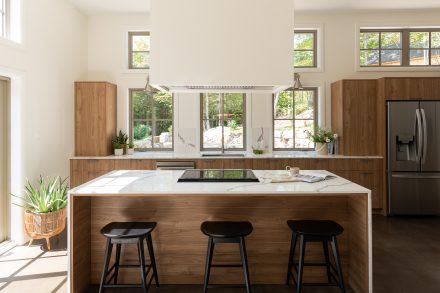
(418, 131)
(425, 135)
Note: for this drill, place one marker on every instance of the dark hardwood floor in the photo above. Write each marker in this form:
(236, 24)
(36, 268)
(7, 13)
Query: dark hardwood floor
(406, 259)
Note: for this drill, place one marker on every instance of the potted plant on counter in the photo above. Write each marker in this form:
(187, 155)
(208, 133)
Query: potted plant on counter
(322, 139)
(118, 151)
(130, 149)
(122, 139)
(45, 208)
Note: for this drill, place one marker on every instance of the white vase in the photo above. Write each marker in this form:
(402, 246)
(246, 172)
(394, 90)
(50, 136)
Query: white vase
(130, 151)
(321, 148)
(119, 152)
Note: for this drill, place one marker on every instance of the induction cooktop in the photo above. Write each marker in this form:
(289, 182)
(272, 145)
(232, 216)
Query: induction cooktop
(218, 175)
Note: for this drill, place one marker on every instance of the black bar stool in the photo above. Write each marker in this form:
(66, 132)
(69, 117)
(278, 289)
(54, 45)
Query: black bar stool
(226, 232)
(128, 233)
(315, 231)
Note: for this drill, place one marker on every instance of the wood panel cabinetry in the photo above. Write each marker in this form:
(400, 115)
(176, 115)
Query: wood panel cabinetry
(95, 118)
(209, 164)
(365, 172)
(354, 105)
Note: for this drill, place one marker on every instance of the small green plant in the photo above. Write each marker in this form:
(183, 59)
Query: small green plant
(131, 144)
(49, 196)
(122, 138)
(116, 144)
(321, 135)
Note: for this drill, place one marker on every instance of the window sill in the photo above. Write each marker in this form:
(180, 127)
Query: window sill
(135, 71)
(309, 70)
(399, 69)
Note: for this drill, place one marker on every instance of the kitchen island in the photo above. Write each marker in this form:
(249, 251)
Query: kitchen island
(180, 208)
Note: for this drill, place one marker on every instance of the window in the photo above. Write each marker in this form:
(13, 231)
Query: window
(138, 50)
(151, 120)
(3, 18)
(402, 47)
(294, 112)
(223, 121)
(305, 46)
(424, 48)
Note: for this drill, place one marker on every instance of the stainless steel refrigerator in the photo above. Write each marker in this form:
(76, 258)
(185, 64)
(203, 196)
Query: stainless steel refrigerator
(413, 157)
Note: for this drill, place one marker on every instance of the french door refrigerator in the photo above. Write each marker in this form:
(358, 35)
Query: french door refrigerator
(413, 157)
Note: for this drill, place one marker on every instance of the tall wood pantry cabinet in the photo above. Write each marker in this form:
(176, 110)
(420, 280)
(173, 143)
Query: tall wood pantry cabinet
(95, 118)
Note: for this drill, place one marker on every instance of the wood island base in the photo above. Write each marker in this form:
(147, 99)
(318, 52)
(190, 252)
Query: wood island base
(180, 247)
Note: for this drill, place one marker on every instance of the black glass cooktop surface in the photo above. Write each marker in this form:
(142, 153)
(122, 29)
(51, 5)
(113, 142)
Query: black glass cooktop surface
(218, 175)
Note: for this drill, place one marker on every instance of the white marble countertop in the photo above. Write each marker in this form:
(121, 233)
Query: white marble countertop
(180, 156)
(165, 182)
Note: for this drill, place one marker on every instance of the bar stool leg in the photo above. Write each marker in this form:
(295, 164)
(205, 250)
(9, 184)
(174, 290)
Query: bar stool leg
(142, 262)
(245, 264)
(291, 256)
(302, 249)
(327, 259)
(152, 259)
(208, 263)
(338, 263)
(117, 260)
(107, 255)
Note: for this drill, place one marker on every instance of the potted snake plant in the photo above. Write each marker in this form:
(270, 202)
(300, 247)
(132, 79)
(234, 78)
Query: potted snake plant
(45, 208)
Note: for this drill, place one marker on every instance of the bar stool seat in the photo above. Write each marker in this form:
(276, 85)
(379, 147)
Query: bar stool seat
(226, 229)
(324, 231)
(118, 233)
(226, 232)
(316, 227)
(127, 229)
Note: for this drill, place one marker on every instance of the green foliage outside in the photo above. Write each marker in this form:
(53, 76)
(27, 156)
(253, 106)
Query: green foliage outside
(141, 131)
(141, 51)
(390, 46)
(152, 116)
(303, 46)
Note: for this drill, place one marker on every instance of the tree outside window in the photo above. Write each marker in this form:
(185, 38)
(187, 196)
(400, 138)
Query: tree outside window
(305, 49)
(403, 47)
(223, 121)
(295, 111)
(151, 120)
(138, 50)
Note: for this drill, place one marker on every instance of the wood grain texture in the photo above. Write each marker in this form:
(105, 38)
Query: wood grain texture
(80, 239)
(354, 104)
(366, 172)
(180, 247)
(95, 118)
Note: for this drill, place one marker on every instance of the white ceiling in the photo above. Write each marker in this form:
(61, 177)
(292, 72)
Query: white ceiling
(139, 6)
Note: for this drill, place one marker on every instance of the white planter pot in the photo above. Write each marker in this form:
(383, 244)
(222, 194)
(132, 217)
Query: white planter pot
(130, 151)
(321, 148)
(119, 152)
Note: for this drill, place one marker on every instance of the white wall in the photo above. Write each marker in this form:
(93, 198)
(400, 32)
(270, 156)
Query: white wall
(339, 42)
(52, 55)
(339, 46)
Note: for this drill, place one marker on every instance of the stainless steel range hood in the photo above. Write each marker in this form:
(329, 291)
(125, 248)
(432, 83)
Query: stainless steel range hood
(221, 45)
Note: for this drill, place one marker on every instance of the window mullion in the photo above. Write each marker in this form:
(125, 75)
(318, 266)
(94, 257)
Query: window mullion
(405, 48)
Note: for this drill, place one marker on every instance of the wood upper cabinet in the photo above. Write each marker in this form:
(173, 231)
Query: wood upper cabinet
(409, 88)
(354, 108)
(95, 118)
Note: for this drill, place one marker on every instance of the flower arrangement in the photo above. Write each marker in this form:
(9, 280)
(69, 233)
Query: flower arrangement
(321, 135)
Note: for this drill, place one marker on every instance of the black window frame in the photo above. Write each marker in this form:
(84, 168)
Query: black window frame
(405, 47)
(131, 34)
(315, 118)
(153, 121)
(202, 148)
(314, 50)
